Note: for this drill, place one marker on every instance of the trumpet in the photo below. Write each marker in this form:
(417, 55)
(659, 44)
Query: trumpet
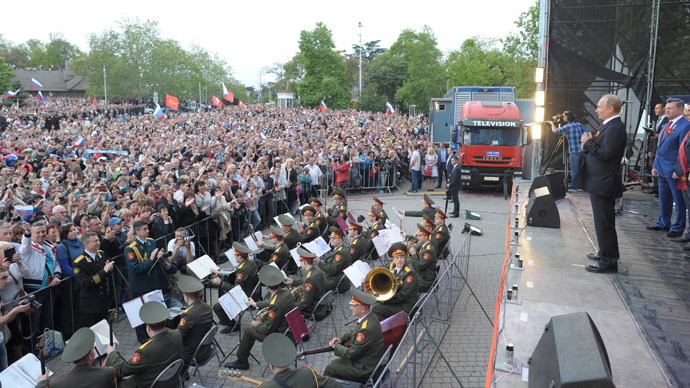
(381, 284)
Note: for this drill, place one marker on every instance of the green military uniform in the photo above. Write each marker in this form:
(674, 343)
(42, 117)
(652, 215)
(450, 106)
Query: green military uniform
(279, 304)
(321, 222)
(337, 210)
(424, 263)
(92, 279)
(382, 213)
(83, 375)
(281, 255)
(357, 362)
(358, 248)
(311, 233)
(314, 288)
(153, 356)
(333, 268)
(440, 237)
(139, 262)
(291, 238)
(195, 321)
(428, 211)
(279, 351)
(404, 299)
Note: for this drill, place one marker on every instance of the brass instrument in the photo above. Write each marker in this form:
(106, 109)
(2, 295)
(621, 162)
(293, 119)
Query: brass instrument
(297, 294)
(262, 315)
(381, 284)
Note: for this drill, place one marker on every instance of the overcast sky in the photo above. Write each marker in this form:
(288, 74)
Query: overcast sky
(251, 35)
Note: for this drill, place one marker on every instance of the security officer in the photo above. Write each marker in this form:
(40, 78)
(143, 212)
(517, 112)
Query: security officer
(280, 352)
(407, 294)
(195, 321)
(311, 230)
(440, 235)
(281, 251)
(245, 277)
(423, 259)
(358, 244)
(92, 272)
(338, 210)
(428, 209)
(378, 206)
(79, 351)
(333, 268)
(144, 277)
(357, 361)
(318, 216)
(314, 286)
(149, 360)
(279, 303)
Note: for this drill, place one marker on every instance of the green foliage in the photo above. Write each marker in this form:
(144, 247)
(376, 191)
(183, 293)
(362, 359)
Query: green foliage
(386, 74)
(525, 44)
(371, 101)
(325, 74)
(6, 76)
(425, 78)
(139, 62)
(34, 53)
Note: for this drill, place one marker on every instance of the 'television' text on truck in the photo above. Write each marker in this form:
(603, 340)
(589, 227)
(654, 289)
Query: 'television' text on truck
(486, 126)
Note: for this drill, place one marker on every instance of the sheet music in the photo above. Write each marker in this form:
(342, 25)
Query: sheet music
(295, 257)
(400, 216)
(22, 373)
(393, 235)
(357, 272)
(238, 295)
(102, 331)
(133, 306)
(381, 243)
(251, 243)
(318, 247)
(389, 224)
(281, 271)
(230, 254)
(201, 267)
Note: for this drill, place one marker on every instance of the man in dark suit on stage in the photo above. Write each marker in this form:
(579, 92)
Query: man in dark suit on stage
(454, 185)
(601, 178)
(669, 142)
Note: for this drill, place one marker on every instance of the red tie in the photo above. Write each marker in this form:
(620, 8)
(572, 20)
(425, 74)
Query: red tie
(664, 133)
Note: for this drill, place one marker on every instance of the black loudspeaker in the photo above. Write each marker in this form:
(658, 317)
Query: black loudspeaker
(570, 354)
(542, 209)
(555, 182)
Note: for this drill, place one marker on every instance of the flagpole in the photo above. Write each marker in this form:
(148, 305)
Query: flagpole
(105, 85)
(360, 61)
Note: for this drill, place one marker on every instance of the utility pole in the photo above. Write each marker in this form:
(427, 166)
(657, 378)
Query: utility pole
(105, 85)
(360, 61)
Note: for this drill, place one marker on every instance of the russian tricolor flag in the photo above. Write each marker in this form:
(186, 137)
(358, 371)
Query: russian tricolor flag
(25, 212)
(11, 93)
(34, 82)
(159, 112)
(324, 108)
(226, 95)
(39, 95)
(389, 108)
(79, 142)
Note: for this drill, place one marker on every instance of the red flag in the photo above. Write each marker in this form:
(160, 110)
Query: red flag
(241, 105)
(230, 97)
(171, 102)
(216, 101)
(94, 101)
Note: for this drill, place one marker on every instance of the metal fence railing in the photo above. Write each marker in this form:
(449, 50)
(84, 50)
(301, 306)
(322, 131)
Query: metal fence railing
(429, 324)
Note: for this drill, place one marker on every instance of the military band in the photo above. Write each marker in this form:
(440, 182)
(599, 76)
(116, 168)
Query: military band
(338, 210)
(334, 266)
(423, 259)
(310, 230)
(313, 286)
(407, 280)
(245, 276)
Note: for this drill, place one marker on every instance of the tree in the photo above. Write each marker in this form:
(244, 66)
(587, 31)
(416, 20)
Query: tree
(478, 62)
(325, 74)
(6, 76)
(387, 73)
(58, 50)
(523, 48)
(425, 74)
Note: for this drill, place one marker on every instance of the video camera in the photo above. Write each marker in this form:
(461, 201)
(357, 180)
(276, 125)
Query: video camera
(558, 120)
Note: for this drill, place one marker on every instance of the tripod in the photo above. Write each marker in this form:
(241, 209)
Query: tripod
(566, 164)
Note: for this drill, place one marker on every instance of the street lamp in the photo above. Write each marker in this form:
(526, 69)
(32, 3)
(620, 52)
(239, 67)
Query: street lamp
(360, 60)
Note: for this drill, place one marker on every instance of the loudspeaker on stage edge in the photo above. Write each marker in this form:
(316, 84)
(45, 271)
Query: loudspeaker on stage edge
(542, 209)
(570, 354)
(555, 182)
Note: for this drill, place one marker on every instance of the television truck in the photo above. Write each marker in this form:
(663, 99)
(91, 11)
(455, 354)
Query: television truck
(485, 125)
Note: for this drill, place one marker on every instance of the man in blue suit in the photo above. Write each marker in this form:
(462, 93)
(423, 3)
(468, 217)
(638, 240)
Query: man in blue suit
(669, 141)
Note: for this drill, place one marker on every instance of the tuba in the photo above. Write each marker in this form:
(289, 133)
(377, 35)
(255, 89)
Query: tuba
(297, 294)
(381, 284)
(262, 315)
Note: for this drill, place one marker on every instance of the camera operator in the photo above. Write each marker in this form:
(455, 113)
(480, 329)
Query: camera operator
(182, 248)
(5, 318)
(13, 290)
(573, 132)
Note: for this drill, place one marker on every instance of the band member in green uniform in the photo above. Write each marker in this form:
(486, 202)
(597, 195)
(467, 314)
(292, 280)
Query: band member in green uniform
(314, 286)
(195, 321)
(407, 294)
(245, 276)
(310, 231)
(280, 352)
(358, 244)
(334, 266)
(319, 217)
(378, 206)
(79, 351)
(357, 360)
(440, 235)
(279, 303)
(423, 259)
(149, 360)
(428, 209)
(338, 210)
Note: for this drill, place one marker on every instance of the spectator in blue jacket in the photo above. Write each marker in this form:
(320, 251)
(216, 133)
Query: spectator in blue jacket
(69, 249)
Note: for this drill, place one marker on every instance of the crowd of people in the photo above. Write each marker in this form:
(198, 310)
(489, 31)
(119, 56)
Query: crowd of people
(89, 193)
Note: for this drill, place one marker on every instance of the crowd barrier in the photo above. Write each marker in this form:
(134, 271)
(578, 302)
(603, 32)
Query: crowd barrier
(428, 325)
(380, 176)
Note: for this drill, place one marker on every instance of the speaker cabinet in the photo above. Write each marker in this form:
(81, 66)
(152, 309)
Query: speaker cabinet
(542, 209)
(570, 354)
(555, 182)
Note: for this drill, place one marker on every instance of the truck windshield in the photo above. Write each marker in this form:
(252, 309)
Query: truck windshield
(510, 137)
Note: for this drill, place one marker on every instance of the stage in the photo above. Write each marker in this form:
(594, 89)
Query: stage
(641, 313)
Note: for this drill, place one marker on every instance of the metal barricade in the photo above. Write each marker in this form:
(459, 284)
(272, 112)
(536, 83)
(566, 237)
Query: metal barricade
(428, 326)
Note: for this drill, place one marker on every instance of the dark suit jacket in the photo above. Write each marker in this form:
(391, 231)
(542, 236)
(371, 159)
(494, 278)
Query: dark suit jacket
(601, 173)
(454, 182)
(667, 153)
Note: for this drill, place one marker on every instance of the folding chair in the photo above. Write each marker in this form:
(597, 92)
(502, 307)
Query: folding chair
(337, 293)
(208, 340)
(326, 300)
(380, 368)
(170, 376)
(297, 327)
